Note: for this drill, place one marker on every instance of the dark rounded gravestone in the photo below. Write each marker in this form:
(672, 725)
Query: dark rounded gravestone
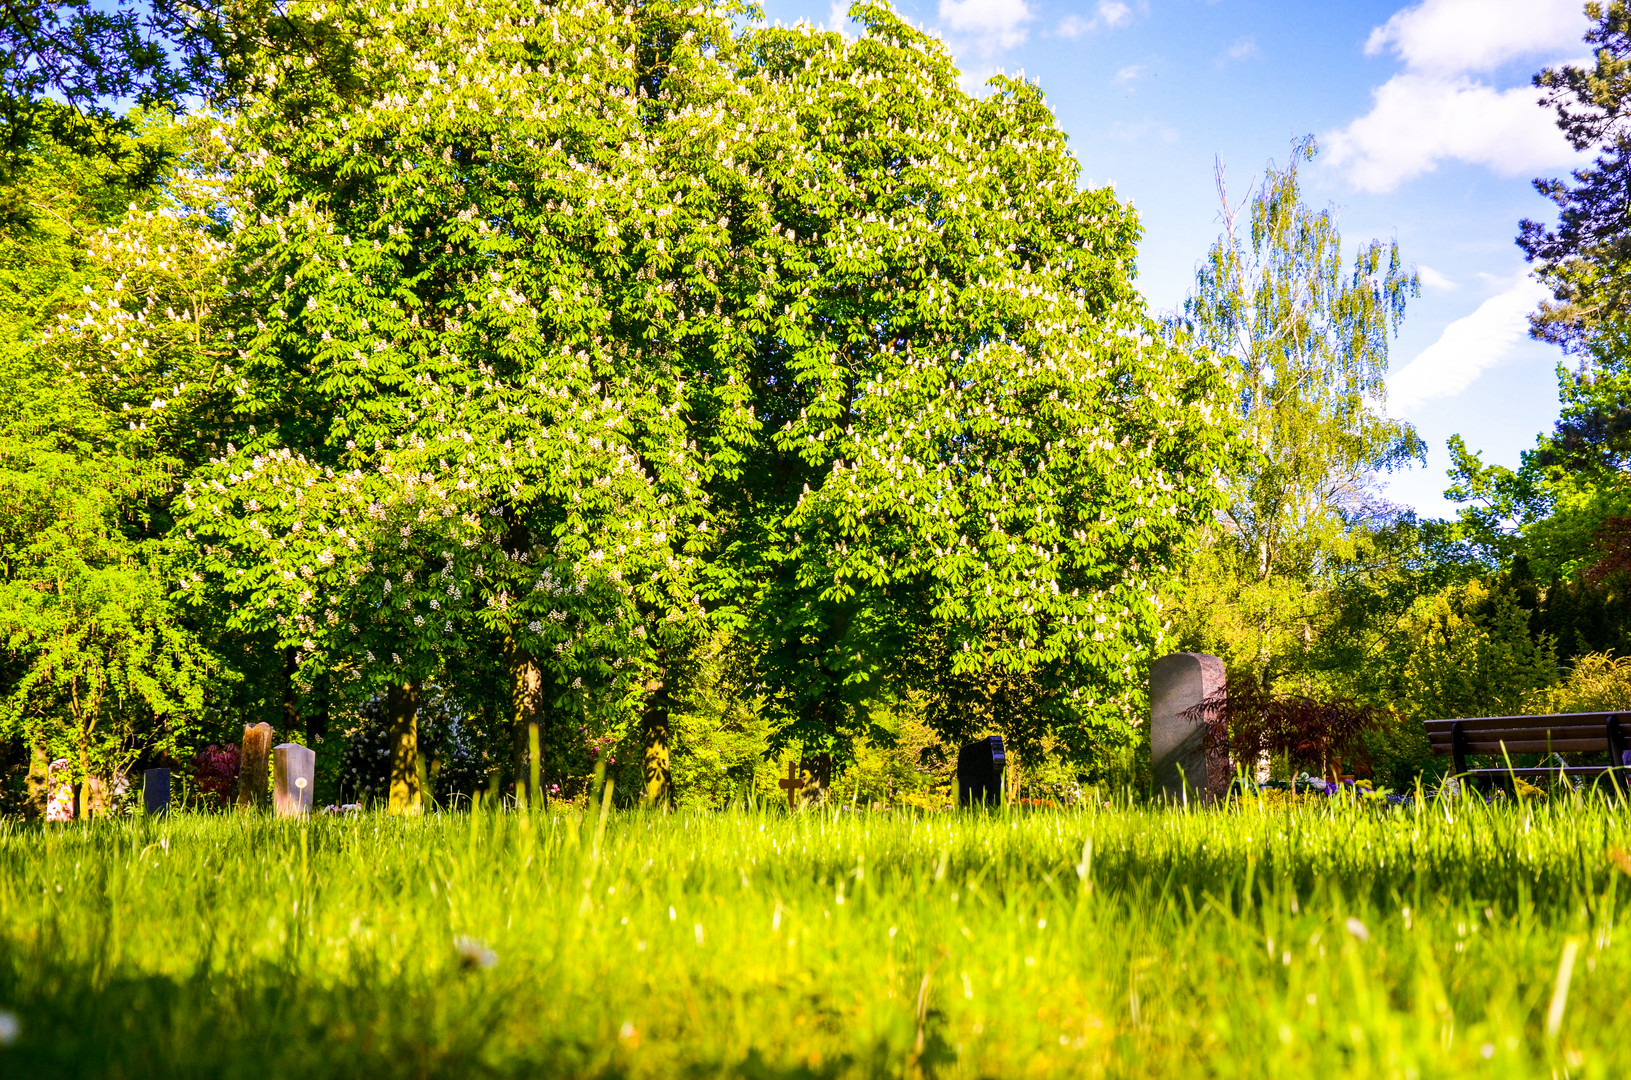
(979, 772)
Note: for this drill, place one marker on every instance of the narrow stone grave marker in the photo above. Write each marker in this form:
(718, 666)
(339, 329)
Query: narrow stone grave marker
(94, 798)
(1178, 753)
(257, 746)
(979, 772)
(294, 774)
(59, 787)
(791, 783)
(156, 792)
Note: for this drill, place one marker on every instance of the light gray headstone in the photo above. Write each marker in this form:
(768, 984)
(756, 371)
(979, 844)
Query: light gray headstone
(156, 792)
(1178, 744)
(294, 775)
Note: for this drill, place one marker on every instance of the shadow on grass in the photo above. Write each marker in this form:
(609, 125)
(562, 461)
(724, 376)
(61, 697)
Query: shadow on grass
(263, 1022)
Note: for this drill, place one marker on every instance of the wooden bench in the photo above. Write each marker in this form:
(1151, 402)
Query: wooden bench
(1501, 736)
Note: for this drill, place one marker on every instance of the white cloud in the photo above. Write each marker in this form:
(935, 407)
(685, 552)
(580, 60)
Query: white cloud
(1127, 76)
(971, 80)
(1143, 131)
(1114, 13)
(1243, 49)
(1435, 280)
(1074, 26)
(1450, 37)
(992, 24)
(838, 20)
(1467, 348)
(1108, 15)
(1436, 110)
(1417, 121)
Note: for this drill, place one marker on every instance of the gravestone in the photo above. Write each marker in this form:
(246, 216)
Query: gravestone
(94, 798)
(792, 782)
(979, 772)
(252, 767)
(59, 786)
(294, 775)
(1178, 753)
(156, 792)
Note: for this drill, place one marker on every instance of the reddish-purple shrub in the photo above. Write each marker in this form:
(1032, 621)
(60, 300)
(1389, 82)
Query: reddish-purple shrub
(215, 774)
(1249, 721)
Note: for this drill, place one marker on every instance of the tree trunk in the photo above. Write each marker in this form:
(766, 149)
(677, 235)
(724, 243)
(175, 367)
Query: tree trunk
(319, 718)
(818, 760)
(38, 784)
(82, 790)
(656, 736)
(292, 727)
(402, 714)
(526, 709)
(1012, 779)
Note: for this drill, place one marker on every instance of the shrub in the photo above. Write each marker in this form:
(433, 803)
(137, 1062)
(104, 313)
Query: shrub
(1596, 682)
(215, 775)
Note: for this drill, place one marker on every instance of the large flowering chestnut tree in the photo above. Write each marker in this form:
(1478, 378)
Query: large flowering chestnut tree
(976, 458)
(578, 328)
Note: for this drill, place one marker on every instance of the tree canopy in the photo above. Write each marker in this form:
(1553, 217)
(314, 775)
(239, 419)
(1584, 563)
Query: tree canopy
(573, 345)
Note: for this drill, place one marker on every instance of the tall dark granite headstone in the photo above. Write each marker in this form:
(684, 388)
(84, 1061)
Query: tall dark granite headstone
(979, 772)
(156, 792)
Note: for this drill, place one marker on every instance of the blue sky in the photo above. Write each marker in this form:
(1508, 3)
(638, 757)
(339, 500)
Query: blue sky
(1429, 131)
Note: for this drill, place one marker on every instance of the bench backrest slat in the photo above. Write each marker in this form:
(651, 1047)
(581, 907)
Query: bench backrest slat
(1558, 733)
(1573, 731)
(1506, 723)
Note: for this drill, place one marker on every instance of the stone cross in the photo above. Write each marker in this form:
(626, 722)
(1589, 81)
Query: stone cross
(294, 775)
(156, 792)
(59, 788)
(792, 782)
(257, 746)
(1178, 752)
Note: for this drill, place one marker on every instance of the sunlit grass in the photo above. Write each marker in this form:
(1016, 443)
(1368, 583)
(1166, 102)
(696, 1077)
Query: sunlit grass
(1310, 940)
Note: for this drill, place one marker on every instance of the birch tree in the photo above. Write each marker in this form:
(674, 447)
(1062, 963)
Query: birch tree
(1304, 334)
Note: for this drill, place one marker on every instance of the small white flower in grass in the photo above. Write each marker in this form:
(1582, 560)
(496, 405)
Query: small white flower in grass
(1357, 929)
(474, 953)
(10, 1027)
(626, 1031)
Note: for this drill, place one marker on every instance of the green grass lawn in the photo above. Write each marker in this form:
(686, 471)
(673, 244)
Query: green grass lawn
(1318, 940)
